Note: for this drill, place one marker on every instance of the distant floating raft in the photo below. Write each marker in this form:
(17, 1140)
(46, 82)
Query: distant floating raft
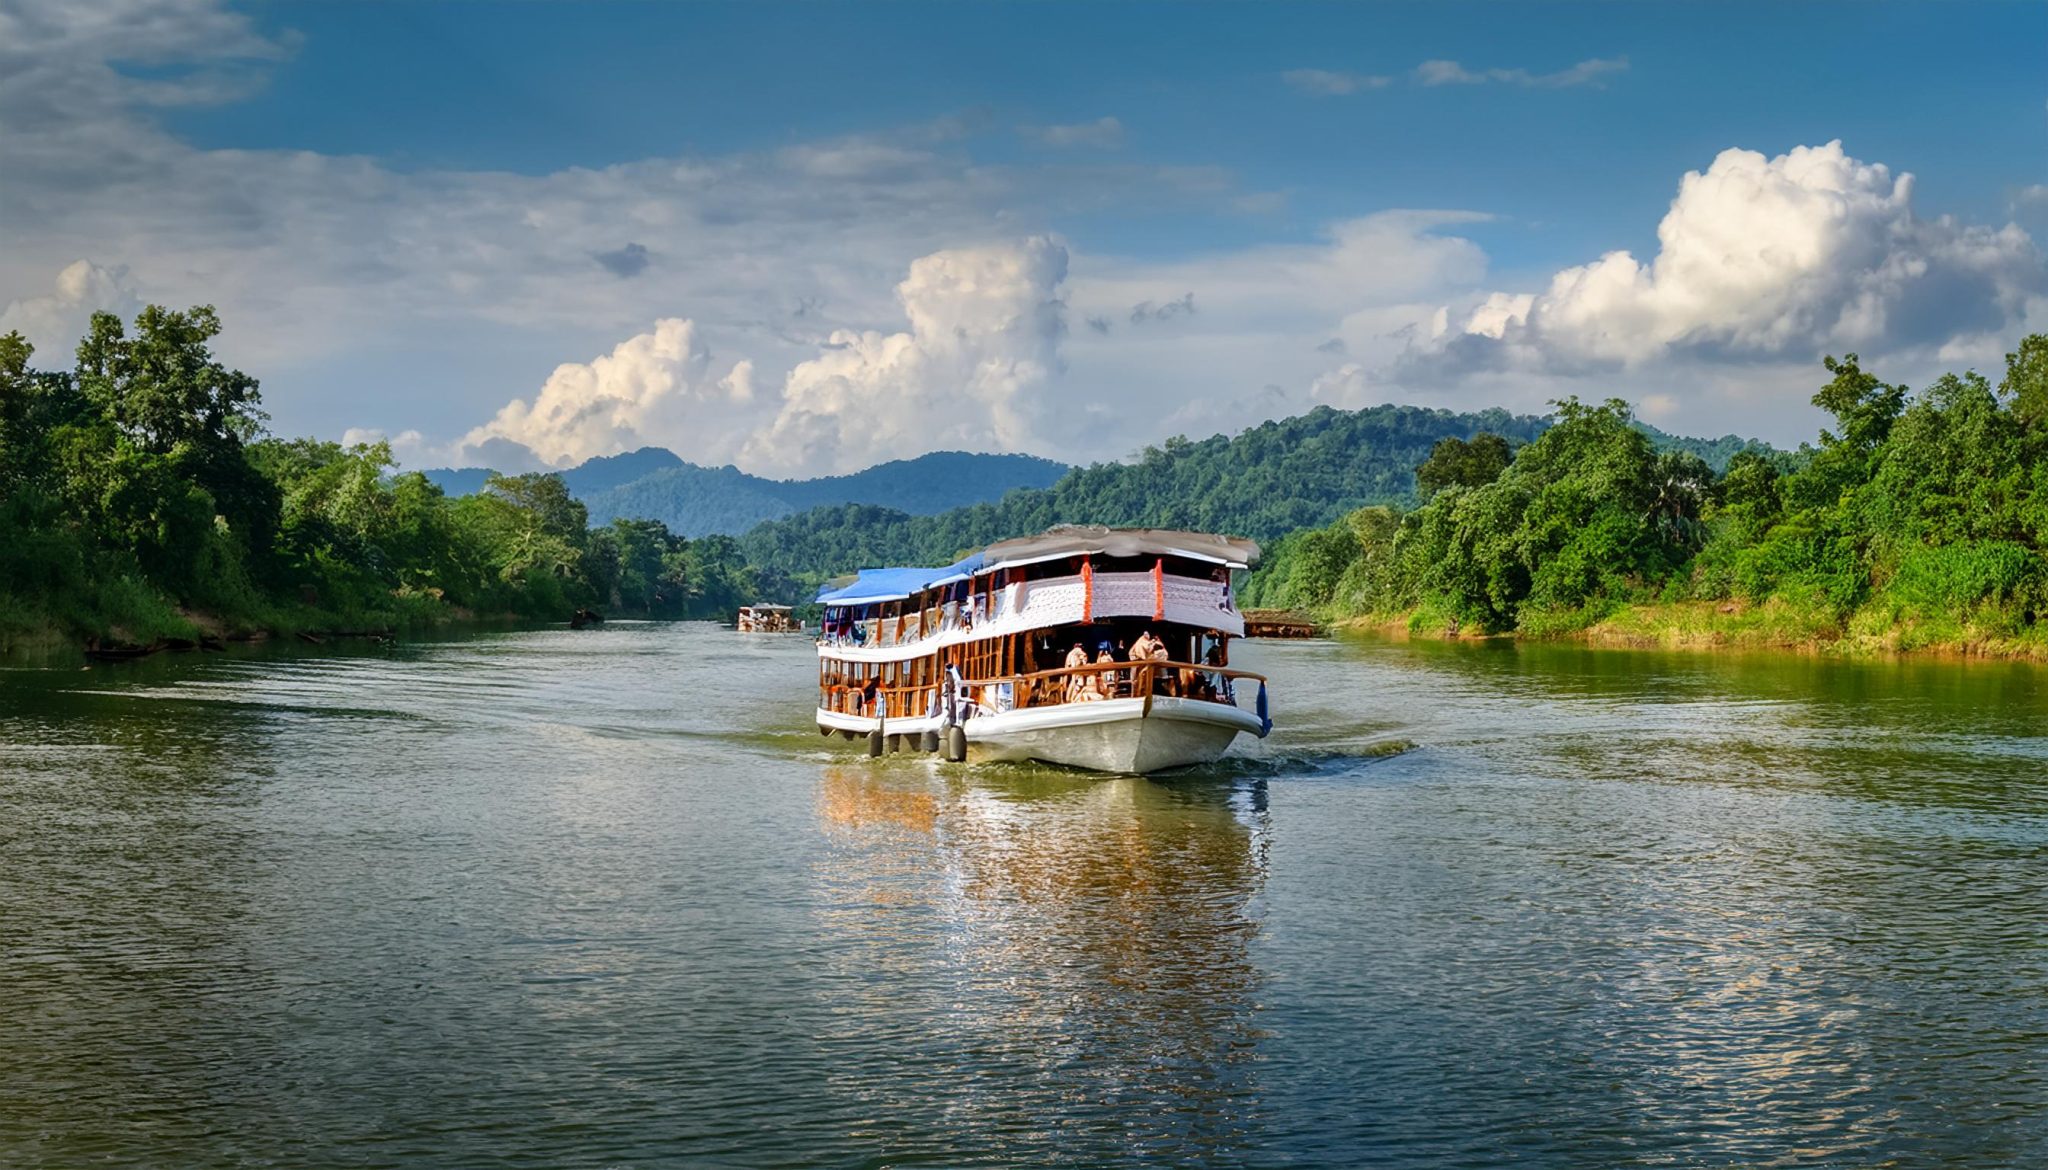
(1279, 623)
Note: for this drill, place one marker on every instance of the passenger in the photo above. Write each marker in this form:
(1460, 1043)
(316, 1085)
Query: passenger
(1077, 657)
(1149, 648)
(1218, 684)
(1142, 648)
(1140, 651)
(1104, 682)
(1171, 679)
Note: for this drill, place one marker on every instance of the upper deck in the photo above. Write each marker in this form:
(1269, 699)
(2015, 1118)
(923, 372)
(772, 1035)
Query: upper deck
(1023, 606)
(1069, 576)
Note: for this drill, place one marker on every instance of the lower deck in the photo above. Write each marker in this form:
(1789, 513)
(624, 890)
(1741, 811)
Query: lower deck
(1079, 663)
(1130, 735)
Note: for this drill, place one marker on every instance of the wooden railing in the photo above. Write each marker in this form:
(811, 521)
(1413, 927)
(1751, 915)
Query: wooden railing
(1051, 688)
(1119, 680)
(904, 702)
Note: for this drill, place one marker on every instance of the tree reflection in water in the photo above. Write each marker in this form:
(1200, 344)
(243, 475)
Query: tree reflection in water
(1021, 945)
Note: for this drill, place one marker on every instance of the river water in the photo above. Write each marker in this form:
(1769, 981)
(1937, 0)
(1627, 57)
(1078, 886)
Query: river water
(553, 899)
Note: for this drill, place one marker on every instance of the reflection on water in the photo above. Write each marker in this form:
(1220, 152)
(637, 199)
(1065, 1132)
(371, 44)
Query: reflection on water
(1077, 949)
(552, 899)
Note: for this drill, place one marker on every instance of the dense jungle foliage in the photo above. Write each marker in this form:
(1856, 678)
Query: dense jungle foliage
(1917, 514)
(140, 499)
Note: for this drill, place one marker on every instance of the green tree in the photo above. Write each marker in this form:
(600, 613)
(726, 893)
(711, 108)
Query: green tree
(162, 388)
(1453, 462)
(2025, 386)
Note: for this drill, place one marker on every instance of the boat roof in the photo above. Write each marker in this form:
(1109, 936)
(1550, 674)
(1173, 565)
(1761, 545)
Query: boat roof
(1066, 540)
(871, 585)
(764, 605)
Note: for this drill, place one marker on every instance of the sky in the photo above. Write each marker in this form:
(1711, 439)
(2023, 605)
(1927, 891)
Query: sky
(805, 238)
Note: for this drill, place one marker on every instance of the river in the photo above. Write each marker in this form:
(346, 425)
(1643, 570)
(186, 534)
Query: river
(598, 899)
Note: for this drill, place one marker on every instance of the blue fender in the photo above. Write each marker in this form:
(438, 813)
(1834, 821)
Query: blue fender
(1265, 717)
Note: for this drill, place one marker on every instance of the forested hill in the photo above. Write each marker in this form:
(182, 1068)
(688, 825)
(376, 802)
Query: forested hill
(586, 479)
(653, 484)
(1265, 482)
(698, 501)
(1715, 453)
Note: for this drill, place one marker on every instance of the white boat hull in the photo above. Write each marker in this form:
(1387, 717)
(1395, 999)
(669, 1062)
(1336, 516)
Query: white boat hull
(1124, 736)
(1113, 735)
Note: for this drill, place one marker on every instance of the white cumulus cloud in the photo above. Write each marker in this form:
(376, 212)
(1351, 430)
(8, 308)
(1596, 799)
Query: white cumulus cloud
(54, 322)
(985, 327)
(984, 338)
(655, 385)
(1760, 258)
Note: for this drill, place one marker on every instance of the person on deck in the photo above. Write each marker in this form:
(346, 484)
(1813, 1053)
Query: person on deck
(1149, 648)
(1172, 679)
(1076, 657)
(1141, 650)
(1103, 682)
(1219, 684)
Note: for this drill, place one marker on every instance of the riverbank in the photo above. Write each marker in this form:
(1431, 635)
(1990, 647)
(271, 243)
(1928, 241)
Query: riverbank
(1773, 625)
(141, 630)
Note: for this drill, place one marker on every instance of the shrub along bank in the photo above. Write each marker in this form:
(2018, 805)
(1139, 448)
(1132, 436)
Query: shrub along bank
(1917, 521)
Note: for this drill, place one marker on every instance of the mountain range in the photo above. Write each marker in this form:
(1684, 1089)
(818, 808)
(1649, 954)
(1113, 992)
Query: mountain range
(1264, 482)
(653, 483)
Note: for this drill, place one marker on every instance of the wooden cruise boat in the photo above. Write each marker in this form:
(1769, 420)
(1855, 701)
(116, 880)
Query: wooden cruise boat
(762, 618)
(1100, 648)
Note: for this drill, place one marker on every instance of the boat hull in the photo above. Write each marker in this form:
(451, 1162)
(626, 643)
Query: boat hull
(1124, 736)
(1114, 735)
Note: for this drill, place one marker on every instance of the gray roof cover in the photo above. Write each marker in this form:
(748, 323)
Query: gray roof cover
(1078, 539)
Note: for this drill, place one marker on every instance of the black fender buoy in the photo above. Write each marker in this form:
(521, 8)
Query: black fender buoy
(895, 742)
(875, 743)
(956, 744)
(824, 730)
(846, 733)
(928, 742)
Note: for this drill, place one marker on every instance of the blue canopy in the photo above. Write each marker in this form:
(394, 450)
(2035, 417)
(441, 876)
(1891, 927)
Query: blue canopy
(872, 585)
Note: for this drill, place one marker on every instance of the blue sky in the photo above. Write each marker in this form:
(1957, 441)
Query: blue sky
(1954, 92)
(404, 209)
